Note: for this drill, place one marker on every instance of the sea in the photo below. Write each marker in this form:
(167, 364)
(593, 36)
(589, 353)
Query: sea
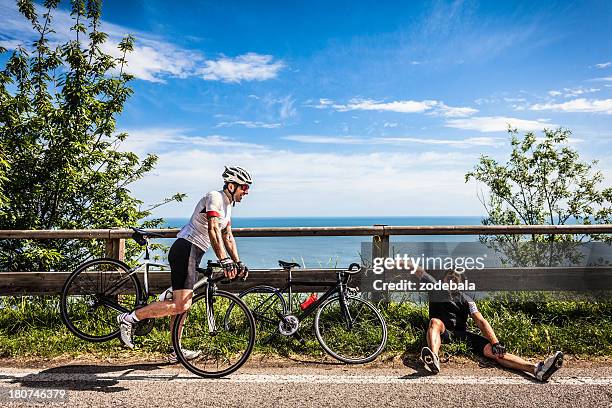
(324, 252)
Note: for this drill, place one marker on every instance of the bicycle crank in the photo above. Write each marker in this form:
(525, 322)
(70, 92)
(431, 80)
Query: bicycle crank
(144, 327)
(289, 325)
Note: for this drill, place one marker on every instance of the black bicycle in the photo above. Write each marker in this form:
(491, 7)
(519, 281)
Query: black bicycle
(218, 323)
(348, 328)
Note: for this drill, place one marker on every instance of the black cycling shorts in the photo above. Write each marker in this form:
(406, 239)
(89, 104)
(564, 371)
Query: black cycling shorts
(475, 342)
(184, 257)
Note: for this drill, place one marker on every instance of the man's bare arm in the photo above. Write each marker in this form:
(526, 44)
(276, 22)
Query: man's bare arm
(230, 243)
(216, 238)
(485, 327)
(232, 249)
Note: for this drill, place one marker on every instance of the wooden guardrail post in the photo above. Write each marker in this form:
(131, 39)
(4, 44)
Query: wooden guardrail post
(380, 244)
(115, 248)
(380, 249)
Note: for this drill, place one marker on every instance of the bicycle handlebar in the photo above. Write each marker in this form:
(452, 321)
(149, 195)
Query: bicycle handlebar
(208, 271)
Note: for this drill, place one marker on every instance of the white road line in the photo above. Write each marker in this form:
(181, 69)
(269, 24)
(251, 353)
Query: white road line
(302, 378)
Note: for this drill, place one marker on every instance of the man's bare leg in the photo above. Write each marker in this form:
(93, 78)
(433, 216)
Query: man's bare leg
(181, 302)
(429, 355)
(436, 328)
(510, 361)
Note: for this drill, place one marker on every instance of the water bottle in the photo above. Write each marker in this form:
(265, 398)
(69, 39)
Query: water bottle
(166, 295)
(309, 301)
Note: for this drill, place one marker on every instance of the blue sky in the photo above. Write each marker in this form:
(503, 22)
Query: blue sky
(351, 108)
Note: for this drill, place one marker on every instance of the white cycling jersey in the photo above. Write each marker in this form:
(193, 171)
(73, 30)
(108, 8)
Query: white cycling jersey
(214, 204)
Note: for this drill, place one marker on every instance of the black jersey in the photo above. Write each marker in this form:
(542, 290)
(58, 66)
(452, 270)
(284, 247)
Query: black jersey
(452, 308)
(453, 311)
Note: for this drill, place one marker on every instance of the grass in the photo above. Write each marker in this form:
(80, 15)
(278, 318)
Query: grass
(32, 327)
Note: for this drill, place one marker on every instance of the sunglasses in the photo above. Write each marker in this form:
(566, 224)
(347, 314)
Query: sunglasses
(245, 187)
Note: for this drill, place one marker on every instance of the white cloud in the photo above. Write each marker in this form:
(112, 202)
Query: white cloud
(287, 110)
(10, 44)
(155, 140)
(454, 112)
(483, 101)
(396, 106)
(578, 105)
(461, 143)
(247, 67)
(402, 106)
(249, 124)
(323, 103)
(571, 92)
(350, 140)
(514, 99)
(153, 58)
(603, 65)
(290, 183)
(497, 124)
(314, 139)
(602, 79)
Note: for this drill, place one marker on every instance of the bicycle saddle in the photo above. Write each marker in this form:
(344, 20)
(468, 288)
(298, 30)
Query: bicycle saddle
(288, 265)
(353, 269)
(140, 235)
(146, 233)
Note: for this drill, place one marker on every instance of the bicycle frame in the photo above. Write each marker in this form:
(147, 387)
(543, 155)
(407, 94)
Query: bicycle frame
(144, 267)
(337, 287)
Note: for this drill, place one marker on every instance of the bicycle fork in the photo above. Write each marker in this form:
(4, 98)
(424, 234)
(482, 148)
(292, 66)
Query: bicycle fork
(210, 312)
(346, 313)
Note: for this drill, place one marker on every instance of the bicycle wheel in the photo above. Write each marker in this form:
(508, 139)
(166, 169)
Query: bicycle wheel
(224, 351)
(267, 305)
(94, 294)
(355, 340)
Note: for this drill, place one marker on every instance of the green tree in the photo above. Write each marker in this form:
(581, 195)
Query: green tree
(3, 171)
(64, 166)
(543, 182)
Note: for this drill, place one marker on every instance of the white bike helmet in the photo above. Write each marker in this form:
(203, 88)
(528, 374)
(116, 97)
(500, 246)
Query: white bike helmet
(236, 175)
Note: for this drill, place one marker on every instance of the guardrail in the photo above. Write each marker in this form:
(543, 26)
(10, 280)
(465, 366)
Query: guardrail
(51, 282)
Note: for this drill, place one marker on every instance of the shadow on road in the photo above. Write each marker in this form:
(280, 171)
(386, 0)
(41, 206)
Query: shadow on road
(99, 378)
(315, 362)
(414, 362)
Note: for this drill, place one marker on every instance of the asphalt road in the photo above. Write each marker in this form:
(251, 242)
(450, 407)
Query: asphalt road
(302, 385)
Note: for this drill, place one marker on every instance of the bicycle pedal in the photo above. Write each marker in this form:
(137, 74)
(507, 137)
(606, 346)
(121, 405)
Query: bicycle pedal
(299, 337)
(144, 327)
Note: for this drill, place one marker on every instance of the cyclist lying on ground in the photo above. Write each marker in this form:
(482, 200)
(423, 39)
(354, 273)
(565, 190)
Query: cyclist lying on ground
(210, 225)
(448, 314)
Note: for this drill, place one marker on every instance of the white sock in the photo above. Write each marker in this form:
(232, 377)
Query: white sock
(131, 317)
(535, 369)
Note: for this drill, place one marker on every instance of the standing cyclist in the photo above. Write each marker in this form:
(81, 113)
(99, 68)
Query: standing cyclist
(210, 225)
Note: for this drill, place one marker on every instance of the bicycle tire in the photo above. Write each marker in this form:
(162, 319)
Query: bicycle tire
(265, 303)
(225, 346)
(363, 342)
(86, 311)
